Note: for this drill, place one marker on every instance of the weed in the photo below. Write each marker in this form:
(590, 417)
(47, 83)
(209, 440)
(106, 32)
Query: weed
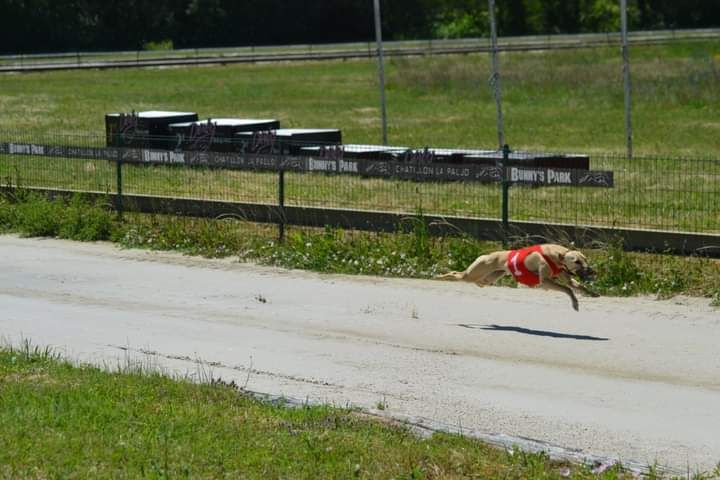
(37, 217)
(34, 215)
(85, 221)
(166, 44)
(618, 273)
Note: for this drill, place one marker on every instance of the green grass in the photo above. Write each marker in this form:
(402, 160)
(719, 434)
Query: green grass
(558, 100)
(60, 420)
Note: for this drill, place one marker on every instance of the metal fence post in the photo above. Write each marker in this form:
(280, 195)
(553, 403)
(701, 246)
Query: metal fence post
(626, 79)
(381, 70)
(495, 78)
(281, 205)
(505, 193)
(119, 203)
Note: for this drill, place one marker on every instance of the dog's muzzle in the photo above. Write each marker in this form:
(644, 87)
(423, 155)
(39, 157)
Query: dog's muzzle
(586, 274)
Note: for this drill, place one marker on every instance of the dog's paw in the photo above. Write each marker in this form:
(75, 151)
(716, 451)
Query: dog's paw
(575, 305)
(593, 294)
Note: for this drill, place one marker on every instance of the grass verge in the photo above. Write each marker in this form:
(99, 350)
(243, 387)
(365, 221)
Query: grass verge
(413, 253)
(63, 420)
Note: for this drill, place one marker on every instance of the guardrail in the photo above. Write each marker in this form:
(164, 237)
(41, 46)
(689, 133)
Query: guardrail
(249, 54)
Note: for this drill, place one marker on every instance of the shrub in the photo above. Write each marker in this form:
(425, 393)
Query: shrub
(166, 44)
(618, 273)
(85, 221)
(38, 217)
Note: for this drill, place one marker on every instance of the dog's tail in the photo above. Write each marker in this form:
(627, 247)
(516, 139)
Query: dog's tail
(451, 276)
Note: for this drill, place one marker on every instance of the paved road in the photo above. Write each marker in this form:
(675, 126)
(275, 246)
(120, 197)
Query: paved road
(634, 378)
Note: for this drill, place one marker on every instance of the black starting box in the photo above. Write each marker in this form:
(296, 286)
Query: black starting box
(143, 129)
(286, 141)
(356, 152)
(216, 134)
(529, 159)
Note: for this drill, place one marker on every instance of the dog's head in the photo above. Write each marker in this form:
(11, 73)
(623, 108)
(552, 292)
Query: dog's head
(576, 263)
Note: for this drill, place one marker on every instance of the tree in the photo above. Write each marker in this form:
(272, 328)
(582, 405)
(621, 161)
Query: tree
(67, 25)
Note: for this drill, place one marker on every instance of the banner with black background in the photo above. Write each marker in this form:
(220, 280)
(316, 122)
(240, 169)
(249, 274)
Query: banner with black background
(368, 168)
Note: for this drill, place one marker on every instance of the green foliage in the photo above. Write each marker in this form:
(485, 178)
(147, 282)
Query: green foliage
(62, 25)
(160, 45)
(194, 236)
(601, 16)
(420, 235)
(37, 217)
(618, 273)
(8, 215)
(624, 273)
(34, 215)
(84, 221)
(461, 24)
(715, 301)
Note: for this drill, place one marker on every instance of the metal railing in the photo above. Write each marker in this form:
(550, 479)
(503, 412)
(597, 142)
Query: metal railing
(246, 54)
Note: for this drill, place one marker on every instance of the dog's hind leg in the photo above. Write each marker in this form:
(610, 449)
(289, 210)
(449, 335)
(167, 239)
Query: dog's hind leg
(477, 271)
(451, 276)
(490, 278)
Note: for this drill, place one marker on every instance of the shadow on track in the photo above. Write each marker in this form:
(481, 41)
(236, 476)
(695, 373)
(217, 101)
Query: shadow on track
(527, 331)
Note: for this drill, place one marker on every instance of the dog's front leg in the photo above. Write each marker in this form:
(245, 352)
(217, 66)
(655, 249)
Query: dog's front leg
(549, 284)
(577, 285)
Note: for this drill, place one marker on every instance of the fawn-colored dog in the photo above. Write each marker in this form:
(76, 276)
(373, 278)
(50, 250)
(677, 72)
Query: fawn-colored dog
(547, 266)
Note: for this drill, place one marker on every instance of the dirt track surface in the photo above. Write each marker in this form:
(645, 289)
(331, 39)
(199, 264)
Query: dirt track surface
(634, 378)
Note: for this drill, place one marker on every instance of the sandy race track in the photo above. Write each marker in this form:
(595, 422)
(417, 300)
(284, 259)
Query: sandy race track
(634, 378)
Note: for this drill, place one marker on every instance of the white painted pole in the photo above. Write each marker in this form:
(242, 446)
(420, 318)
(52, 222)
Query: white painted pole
(381, 70)
(626, 79)
(495, 78)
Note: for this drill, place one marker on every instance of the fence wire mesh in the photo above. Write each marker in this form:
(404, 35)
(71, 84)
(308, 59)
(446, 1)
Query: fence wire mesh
(662, 193)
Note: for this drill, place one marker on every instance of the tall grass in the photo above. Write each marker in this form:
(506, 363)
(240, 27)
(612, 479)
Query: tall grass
(74, 219)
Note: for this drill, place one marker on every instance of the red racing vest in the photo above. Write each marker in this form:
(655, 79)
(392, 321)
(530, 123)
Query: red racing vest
(516, 265)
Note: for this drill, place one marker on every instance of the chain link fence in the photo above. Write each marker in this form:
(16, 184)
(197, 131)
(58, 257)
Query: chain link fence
(670, 194)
